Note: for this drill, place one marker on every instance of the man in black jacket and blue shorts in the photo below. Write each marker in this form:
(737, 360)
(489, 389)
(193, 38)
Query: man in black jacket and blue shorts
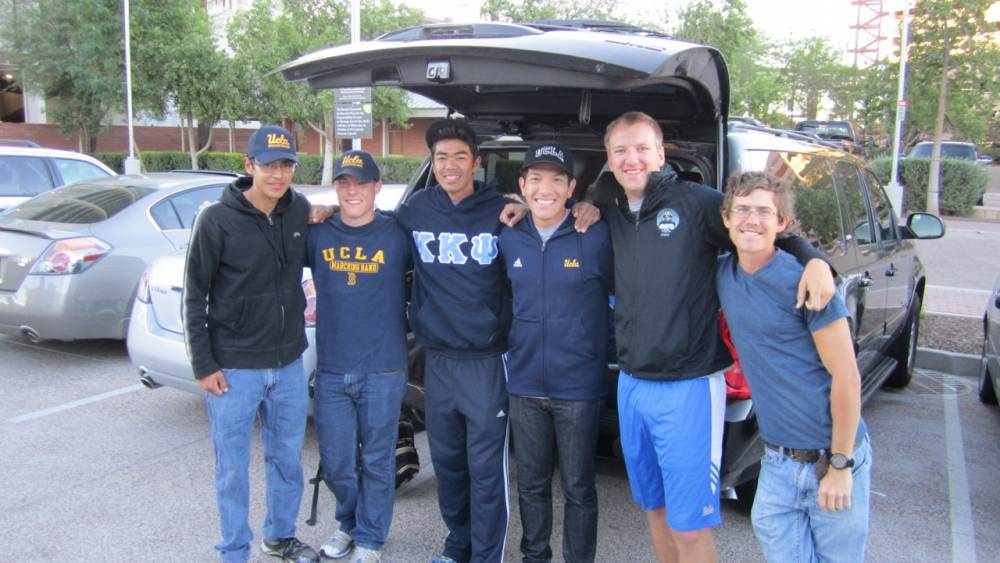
(245, 334)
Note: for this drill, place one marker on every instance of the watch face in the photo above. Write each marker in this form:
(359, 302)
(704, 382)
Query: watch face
(840, 461)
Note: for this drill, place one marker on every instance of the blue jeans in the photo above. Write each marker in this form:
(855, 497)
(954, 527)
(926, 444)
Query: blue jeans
(542, 429)
(357, 422)
(788, 522)
(280, 397)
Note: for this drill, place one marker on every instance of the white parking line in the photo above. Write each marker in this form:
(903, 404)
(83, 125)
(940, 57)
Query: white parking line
(74, 404)
(963, 533)
(962, 289)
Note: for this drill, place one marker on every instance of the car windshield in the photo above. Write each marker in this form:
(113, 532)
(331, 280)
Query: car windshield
(79, 204)
(948, 150)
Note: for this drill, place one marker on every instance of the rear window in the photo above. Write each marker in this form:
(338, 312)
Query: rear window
(24, 176)
(79, 204)
(960, 152)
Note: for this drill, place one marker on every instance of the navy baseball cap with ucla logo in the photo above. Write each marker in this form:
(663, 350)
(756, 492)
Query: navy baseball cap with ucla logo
(552, 154)
(359, 164)
(270, 143)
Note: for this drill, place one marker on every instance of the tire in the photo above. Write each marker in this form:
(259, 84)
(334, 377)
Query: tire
(905, 349)
(987, 394)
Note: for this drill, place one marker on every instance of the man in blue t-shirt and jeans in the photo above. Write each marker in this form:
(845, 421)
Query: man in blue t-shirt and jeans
(359, 259)
(812, 493)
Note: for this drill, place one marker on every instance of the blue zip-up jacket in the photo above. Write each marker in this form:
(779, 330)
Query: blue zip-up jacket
(460, 301)
(559, 336)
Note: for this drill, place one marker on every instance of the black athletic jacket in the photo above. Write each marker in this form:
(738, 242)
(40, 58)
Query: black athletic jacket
(666, 307)
(243, 300)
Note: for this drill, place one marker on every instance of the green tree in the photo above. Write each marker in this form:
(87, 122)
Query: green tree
(71, 53)
(953, 75)
(264, 38)
(810, 69)
(527, 11)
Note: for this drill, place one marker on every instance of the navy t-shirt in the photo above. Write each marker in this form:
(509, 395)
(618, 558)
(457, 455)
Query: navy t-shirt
(360, 278)
(789, 385)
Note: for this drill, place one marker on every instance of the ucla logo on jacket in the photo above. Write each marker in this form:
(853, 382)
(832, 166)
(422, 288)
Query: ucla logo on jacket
(482, 248)
(667, 220)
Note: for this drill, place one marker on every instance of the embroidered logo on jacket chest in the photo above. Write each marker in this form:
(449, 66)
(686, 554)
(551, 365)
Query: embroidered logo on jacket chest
(667, 220)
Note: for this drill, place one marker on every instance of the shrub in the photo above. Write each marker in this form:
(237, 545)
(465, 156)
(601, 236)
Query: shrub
(962, 183)
(114, 160)
(222, 161)
(162, 161)
(310, 169)
(398, 169)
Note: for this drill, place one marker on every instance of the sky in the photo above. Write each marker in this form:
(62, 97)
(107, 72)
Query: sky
(777, 19)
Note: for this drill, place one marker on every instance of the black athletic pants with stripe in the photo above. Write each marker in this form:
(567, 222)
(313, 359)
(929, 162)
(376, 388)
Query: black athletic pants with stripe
(466, 413)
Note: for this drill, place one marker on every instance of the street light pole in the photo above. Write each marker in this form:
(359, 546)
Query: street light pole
(356, 38)
(132, 164)
(894, 188)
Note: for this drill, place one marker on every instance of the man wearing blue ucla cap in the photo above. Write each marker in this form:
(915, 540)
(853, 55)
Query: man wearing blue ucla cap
(245, 334)
(359, 259)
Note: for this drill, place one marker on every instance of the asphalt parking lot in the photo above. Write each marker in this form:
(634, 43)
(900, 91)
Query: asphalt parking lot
(96, 468)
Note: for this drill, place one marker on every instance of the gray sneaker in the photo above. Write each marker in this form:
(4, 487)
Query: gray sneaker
(338, 546)
(365, 555)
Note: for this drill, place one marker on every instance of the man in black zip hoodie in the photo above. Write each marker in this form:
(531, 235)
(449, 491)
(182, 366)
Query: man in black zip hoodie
(666, 235)
(245, 334)
(460, 313)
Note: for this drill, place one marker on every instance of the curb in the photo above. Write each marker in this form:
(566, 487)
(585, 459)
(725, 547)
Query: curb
(948, 362)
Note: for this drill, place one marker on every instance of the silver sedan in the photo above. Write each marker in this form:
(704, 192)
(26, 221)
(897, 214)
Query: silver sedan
(71, 258)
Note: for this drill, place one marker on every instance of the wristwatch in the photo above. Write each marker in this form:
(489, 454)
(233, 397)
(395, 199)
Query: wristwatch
(841, 461)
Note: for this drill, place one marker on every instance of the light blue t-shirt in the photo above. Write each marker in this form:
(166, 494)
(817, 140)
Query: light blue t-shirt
(789, 385)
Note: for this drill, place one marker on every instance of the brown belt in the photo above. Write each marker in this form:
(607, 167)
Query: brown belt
(805, 456)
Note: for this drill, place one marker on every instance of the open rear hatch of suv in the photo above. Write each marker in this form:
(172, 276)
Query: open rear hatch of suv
(539, 81)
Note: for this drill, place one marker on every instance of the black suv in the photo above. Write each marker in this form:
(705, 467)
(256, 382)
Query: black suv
(566, 81)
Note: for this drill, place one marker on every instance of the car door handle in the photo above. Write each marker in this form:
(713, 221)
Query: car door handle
(891, 271)
(866, 281)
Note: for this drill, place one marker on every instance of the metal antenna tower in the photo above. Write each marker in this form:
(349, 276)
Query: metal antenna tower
(868, 31)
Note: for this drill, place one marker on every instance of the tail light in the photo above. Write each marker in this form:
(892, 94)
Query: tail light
(310, 313)
(737, 388)
(143, 293)
(71, 256)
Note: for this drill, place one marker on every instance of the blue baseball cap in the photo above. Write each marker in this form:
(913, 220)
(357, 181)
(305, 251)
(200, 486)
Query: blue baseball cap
(270, 143)
(359, 164)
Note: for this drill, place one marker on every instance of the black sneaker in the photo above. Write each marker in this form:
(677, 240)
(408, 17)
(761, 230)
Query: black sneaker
(290, 549)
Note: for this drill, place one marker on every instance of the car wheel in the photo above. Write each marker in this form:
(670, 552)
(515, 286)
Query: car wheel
(905, 349)
(987, 394)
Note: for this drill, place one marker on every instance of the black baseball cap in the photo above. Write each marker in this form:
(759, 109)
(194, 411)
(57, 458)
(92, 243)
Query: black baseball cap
(270, 143)
(452, 129)
(359, 164)
(552, 154)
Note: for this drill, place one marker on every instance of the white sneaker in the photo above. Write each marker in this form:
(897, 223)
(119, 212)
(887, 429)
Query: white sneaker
(365, 555)
(338, 546)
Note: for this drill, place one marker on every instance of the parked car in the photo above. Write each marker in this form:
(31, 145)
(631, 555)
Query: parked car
(71, 258)
(27, 170)
(517, 84)
(839, 132)
(989, 362)
(949, 149)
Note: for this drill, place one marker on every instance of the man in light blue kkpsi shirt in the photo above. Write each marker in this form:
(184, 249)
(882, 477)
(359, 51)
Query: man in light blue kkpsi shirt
(812, 493)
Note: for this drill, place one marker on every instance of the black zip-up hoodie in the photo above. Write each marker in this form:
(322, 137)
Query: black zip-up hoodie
(243, 299)
(666, 307)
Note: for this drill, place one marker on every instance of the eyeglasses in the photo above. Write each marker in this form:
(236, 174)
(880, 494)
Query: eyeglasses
(283, 166)
(744, 211)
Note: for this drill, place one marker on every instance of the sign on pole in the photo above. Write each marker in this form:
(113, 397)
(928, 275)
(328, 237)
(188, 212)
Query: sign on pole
(353, 121)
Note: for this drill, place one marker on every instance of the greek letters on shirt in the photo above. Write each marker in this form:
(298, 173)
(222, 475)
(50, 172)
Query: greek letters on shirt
(353, 260)
(456, 248)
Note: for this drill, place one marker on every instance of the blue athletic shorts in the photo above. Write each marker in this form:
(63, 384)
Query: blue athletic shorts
(671, 435)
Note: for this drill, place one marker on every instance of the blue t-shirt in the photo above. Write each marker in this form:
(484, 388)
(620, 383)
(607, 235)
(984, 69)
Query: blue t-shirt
(360, 278)
(789, 385)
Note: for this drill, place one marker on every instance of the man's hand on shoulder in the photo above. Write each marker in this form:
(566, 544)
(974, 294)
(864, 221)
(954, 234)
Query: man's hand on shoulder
(586, 214)
(816, 287)
(320, 213)
(512, 213)
(215, 383)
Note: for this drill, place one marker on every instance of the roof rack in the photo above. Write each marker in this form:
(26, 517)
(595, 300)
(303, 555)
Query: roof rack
(776, 132)
(19, 143)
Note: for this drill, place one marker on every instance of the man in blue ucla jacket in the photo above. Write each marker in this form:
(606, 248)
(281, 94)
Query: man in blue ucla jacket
(460, 312)
(558, 354)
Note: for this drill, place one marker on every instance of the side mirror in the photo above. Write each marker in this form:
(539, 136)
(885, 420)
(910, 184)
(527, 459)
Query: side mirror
(923, 226)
